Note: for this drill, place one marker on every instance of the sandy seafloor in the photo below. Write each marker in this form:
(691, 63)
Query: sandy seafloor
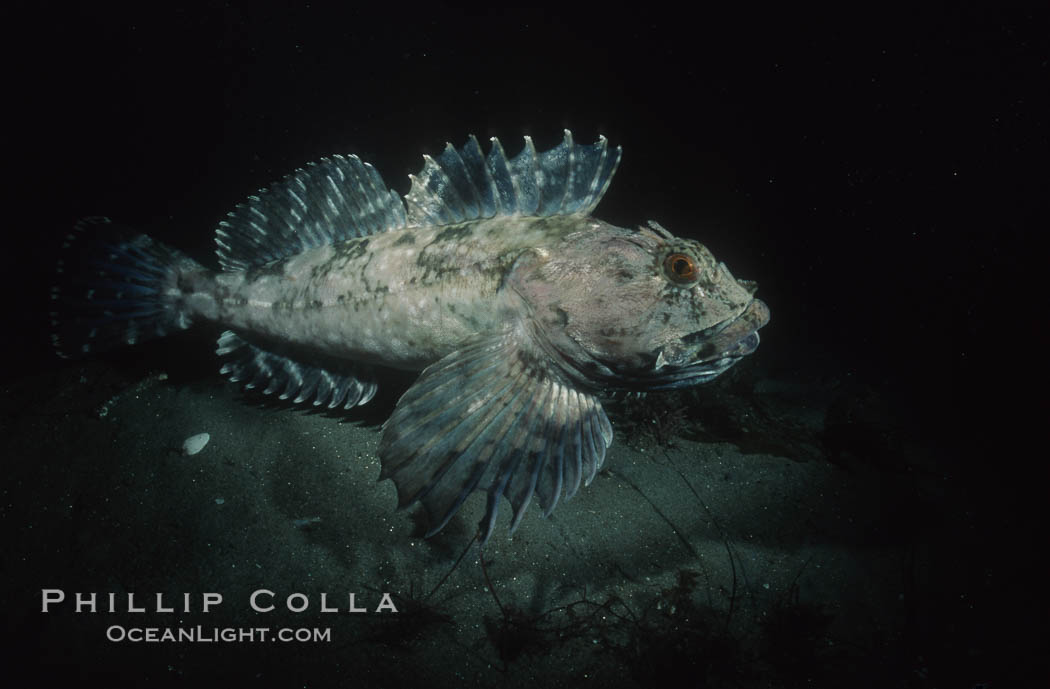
(740, 569)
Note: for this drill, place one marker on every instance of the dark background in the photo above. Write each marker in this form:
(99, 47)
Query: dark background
(881, 174)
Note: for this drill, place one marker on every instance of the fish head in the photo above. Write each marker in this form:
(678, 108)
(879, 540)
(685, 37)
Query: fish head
(638, 310)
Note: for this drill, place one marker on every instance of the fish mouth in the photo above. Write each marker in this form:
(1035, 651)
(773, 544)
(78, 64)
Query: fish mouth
(735, 337)
(720, 346)
(723, 345)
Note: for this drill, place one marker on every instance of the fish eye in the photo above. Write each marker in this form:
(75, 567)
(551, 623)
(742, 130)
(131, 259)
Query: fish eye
(681, 268)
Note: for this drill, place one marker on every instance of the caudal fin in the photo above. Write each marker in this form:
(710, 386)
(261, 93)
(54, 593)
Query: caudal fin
(115, 288)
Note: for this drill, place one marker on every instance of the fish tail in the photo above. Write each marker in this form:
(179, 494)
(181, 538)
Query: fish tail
(116, 288)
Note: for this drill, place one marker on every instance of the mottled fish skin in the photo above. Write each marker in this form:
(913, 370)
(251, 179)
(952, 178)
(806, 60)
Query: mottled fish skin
(402, 299)
(520, 309)
(609, 307)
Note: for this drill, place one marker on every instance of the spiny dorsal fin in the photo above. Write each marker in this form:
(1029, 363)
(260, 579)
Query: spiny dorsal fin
(328, 201)
(461, 185)
(340, 198)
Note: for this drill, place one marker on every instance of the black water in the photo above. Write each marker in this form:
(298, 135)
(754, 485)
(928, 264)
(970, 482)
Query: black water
(882, 176)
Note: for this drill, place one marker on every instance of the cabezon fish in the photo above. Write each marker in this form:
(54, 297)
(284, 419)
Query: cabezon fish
(491, 277)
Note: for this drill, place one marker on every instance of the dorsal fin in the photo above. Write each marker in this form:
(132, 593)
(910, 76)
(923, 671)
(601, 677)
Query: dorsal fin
(341, 197)
(461, 185)
(328, 201)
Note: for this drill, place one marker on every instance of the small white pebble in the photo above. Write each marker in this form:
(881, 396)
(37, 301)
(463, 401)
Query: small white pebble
(195, 443)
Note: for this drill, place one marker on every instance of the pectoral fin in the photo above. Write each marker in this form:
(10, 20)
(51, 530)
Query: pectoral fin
(492, 416)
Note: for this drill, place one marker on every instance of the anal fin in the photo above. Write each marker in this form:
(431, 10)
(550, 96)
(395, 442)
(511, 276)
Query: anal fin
(274, 371)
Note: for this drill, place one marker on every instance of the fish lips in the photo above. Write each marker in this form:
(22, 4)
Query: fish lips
(732, 338)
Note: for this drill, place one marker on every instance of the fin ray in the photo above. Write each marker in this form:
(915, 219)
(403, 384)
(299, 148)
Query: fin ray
(328, 201)
(125, 289)
(273, 370)
(462, 184)
(494, 417)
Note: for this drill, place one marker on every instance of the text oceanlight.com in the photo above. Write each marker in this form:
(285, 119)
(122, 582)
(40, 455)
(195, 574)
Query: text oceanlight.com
(201, 634)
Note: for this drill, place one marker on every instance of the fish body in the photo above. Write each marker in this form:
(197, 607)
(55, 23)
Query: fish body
(491, 277)
(402, 299)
